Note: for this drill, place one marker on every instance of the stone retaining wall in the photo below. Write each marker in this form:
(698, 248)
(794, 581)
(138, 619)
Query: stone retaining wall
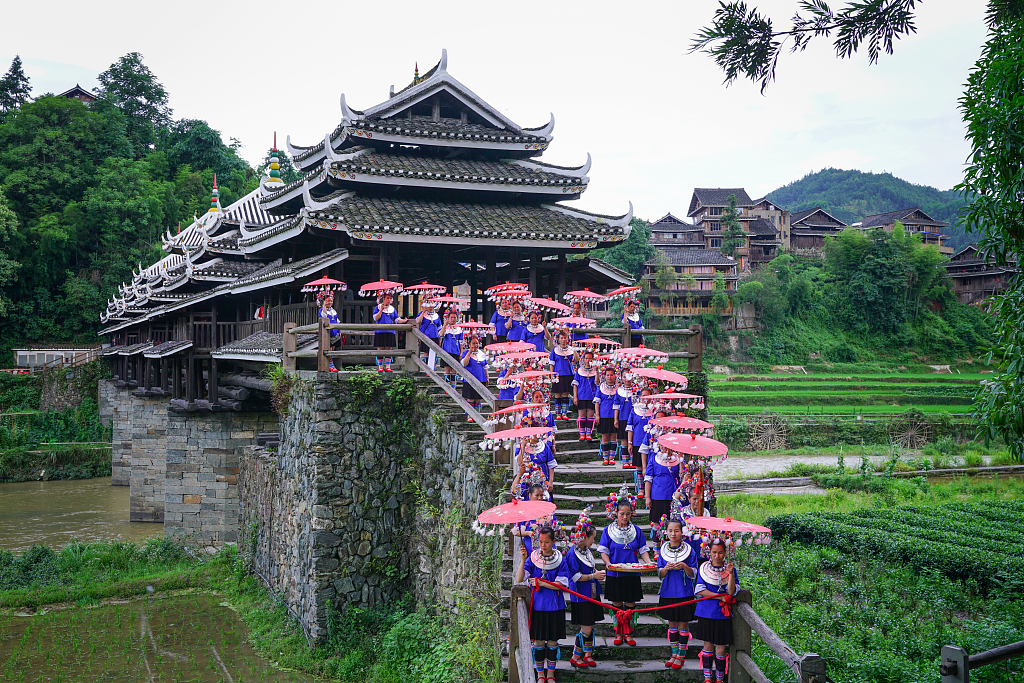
(148, 458)
(201, 472)
(337, 514)
(115, 408)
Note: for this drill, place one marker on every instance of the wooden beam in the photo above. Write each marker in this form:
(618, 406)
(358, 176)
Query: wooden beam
(485, 394)
(453, 394)
(695, 346)
(212, 382)
(288, 346)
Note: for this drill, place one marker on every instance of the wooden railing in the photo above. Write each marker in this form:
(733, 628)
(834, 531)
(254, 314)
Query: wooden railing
(695, 346)
(956, 664)
(808, 667)
(409, 355)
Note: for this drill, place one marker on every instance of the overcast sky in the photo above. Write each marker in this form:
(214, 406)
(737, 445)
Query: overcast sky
(617, 76)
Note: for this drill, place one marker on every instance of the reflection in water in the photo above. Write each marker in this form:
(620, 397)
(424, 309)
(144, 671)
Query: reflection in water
(58, 512)
(182, 638)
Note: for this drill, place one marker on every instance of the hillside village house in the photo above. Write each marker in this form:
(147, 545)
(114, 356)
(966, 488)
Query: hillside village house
(974, 278)
(696, 271)
(809, 228)
(915, 221)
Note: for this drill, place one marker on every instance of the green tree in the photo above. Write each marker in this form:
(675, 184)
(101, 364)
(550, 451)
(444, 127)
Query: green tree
(8, 267)
(134, 89)
(15, 89)
(689, 284)
(631, 254)
(733, 236)
(288, 172)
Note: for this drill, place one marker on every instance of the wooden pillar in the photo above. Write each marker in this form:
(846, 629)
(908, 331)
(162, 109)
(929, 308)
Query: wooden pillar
(323, 346)
(490, 279)
(213, 326)
(148, 371)
(448, 270)
(561, 277)
(176, 377)
(740, 641)
(190, 377)
(534, 262)
(474, 298)
(212, 388)
(513, 264)
(288, 346)
(696, 345)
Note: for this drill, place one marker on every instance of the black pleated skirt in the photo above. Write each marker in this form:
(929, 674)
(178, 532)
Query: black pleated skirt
(605, 425)
(623, 588)
(384, 340)
(682, 613)
(547, 624)
(717, 631)
(658, 508)
(584, 613)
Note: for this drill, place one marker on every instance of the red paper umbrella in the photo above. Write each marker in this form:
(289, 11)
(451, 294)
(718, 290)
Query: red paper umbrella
(623, 292)
(531, 376)
(668, 396)
(506, 287)
(520, 433)
(597, 341)
(641, 351)
(518, 407)
(726, 524)
(691, 444)
(510, 347)
(453, 301)
(574, 320)
(380, 287)
(680, 423)
(426, 289)
(584, 296)
(473, 325)
(662, 375)
(525, 355)
(548, 304)
(324, 284)
(516, 511)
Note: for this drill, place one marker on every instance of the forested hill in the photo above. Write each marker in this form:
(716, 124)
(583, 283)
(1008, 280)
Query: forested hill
(851, 195)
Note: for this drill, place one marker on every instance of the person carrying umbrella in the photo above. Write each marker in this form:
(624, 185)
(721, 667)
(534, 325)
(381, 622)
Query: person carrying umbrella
(547, 615)
(715, 578)
(584, 578)
(385, 340)
(325, 298)
(623, 542)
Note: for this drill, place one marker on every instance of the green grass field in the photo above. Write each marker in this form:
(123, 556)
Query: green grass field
(748, 410)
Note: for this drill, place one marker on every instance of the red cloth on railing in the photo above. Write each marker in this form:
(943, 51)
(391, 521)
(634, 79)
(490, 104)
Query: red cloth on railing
(623, 617)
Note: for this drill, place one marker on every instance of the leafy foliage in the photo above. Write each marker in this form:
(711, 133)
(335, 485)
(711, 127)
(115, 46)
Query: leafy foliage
(733, 236)
(633, 253)
(744, 43)
(132, 87)
(14, 88)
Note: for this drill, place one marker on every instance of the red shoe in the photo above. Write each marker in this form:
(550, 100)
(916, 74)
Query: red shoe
(671, 663)
(589, 659)
(380, 368)
(628, 466)
(578, 662)
(583, 437)
(630, 641)
(678, 663)
(618, 639)
(388, 369)
(332, 369)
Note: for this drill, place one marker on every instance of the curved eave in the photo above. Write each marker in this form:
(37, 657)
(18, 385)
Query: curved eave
(474, 141)
(375, 233)
(384, 178)
(311, 156)
(271, 236)
(294, 189)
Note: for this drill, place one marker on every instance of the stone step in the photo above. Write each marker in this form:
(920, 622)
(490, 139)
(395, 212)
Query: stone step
(626, 671)
(650, 582)
(647, 647)
(647, 625)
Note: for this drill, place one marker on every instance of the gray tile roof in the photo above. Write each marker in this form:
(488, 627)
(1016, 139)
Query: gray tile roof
(425, 127)
(229, 269)
(717, 196)
(696, 257)
(905, 216)
(454, 170)
(762, 226)
(167, 348)
(816, 217)
(261, 344)
(495, 221)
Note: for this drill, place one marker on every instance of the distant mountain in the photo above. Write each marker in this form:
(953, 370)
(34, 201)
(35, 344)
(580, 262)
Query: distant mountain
(852, 195)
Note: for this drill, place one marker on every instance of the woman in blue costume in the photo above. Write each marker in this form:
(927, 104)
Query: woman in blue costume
(547, 615)
(585, 579)
(475, 360)
(584, 385)
(715, 578)
(327, 312)
(451, 341)
(535, 333)
(430, 325)
(517, 323)
(632, 318)
(500, 319)
(677, 566)
(561, 363)
(606, 402)
(385, 340)
(623, 542)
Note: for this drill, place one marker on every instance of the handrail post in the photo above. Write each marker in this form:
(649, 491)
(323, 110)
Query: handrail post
(695, 345)
(409, 364)
(519, 645)
(740, 641)
(323, 346)
(955, 665)
(627, 335)
(288, 344)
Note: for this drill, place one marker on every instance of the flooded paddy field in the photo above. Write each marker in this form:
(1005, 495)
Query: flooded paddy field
(184, 638)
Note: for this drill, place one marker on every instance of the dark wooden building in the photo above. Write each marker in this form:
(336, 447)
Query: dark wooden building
(432, 184)
(974, 278)
(79, 93)
(696, 272)
(915, 221)
(809, 228)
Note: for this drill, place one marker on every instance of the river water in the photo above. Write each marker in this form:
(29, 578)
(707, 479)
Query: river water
(58, 512)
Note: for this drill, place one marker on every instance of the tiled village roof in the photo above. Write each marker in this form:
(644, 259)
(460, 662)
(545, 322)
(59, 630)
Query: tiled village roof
(248, 209)
(454, 170)
(426, 127)
(669, 219)
(696, 257)
(493, 221)
(904, 216)
(816, 217)
(762, 227)
(260, 344)
(167, 348)
(717, 196)
(220, 269)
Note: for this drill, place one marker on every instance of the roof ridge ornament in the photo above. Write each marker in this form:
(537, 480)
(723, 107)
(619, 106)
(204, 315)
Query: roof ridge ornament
(443, 64)
(275, 166)
(308, 200)
(347, 113)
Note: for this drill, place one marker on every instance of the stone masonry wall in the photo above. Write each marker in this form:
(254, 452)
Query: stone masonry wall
(148, 458)
(332, 514)
(115, 407)
(200, 485)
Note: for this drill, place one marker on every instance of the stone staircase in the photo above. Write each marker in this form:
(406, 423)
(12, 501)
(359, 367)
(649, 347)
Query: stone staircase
(581, 479)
